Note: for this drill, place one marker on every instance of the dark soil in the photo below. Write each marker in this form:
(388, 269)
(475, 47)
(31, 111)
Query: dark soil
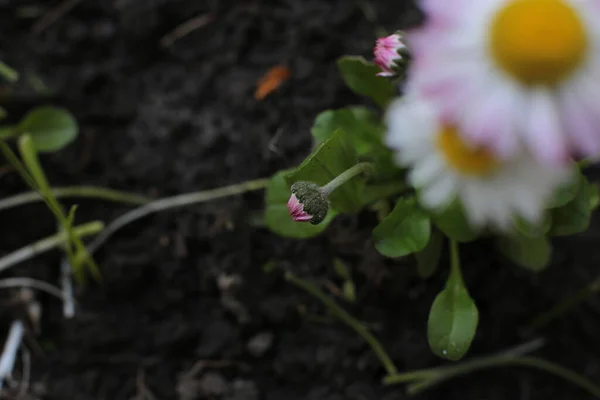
(163, 121)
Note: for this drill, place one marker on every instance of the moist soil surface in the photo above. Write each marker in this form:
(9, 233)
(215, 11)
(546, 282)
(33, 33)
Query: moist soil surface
(185, 309)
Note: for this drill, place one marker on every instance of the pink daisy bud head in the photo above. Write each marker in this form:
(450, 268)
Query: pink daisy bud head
(388, 53)
(308, 203)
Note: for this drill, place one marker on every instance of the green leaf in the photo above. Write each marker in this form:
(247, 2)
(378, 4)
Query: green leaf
(453, 223)
(361, 77)
(277, 216)
(530, 230)
(452, 321)
(327, 161)
(361, 124)
(404, 231)
(567, 192)
(50, 128)
(530, 253)
(428, 259)
(574, 217)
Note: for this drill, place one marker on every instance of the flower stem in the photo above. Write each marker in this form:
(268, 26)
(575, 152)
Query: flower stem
(345, 176)
(427, 378)
(561, 308)
(502, 361)
(456, 277)
(167, 203)
(349, 320)
(75, 191)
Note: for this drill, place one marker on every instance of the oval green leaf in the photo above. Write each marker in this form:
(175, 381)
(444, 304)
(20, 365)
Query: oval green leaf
(404, 231)
(452, 322)
(51, 128)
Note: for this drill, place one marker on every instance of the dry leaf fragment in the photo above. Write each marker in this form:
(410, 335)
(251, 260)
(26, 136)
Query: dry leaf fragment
(271, 81)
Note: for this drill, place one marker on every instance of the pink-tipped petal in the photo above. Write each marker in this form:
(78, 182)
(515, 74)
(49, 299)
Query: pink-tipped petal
(296, 210)
(386, 54)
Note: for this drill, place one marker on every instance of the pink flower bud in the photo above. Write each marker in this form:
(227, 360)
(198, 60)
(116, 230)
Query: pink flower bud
(297, 210)
(387, 54)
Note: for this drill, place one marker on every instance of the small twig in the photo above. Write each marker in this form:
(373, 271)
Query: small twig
(49, 243)
(54, 15)
(66, 283)
(348, 319)
(9, 353)
(31, 283)
(75, 191)
(182, 200)
(185, 29)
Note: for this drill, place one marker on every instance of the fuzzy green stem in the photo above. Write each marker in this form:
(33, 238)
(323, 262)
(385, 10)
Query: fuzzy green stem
(502, 361)
(456, 277)
(561, 308)
(8, 73)
(75, 191)
(182, 200)
(345, 176)
(435, 373)
(49, 243)
(427, 378)
(349, 320)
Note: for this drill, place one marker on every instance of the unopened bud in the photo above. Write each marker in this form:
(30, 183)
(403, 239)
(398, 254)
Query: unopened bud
(389, 53)
(308, 203)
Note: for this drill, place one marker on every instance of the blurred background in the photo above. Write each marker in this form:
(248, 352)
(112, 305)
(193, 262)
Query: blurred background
(165, 94)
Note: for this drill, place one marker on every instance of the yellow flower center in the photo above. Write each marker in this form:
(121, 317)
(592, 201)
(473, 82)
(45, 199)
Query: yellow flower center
(538, 42)
(463, 158)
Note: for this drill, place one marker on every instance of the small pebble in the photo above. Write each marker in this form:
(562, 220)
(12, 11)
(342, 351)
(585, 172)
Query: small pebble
(259, 344)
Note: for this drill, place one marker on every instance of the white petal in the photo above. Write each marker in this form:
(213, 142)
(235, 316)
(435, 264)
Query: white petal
(439, 193)
(544, 134)
(426, 171)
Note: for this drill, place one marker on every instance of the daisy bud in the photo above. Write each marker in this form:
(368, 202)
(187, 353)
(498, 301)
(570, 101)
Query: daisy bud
(308, 203)
(388, 53)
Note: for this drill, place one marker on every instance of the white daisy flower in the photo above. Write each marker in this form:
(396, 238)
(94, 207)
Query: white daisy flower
(514, 72)
(443, 167)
